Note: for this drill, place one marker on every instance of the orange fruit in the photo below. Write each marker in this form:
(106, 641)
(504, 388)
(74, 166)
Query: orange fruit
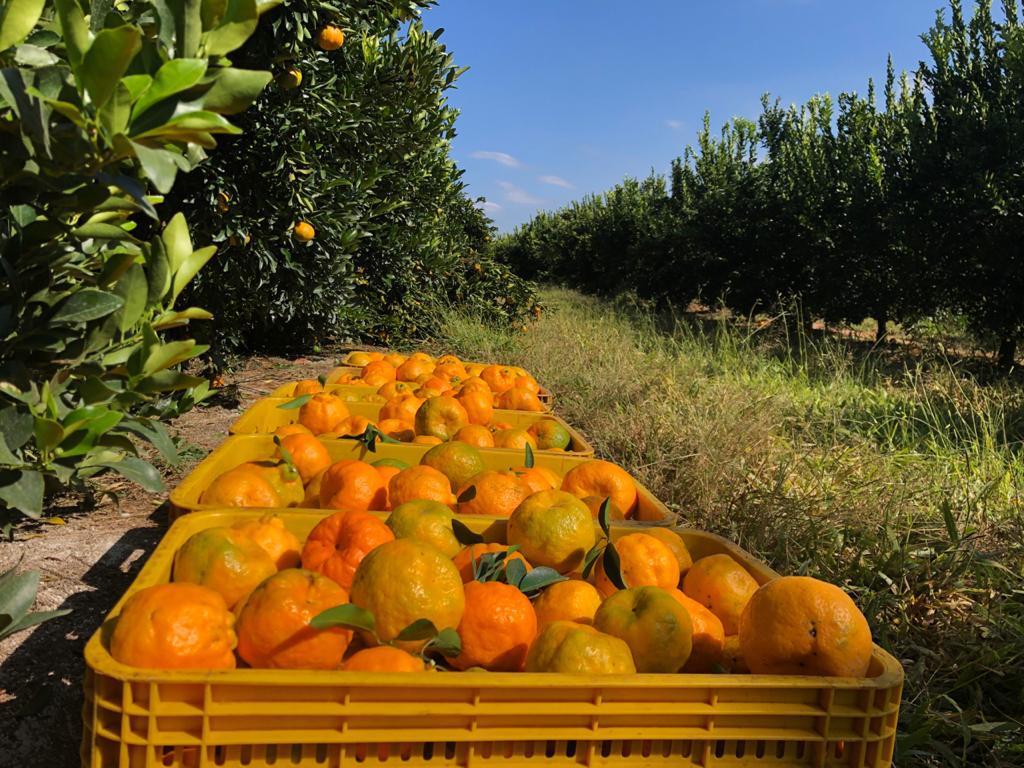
(440, 417)
(406, 580)
(307, 387)
(378, 373)
(269, 532)
(240, 487)
(572, 600)
(350, 484)
(475, 384)
(312, 496)
(653, 624)
(721, 585)
(393, 388)
(539, 478)
(553, 529)
(401, 407)
(283, 478)
(496, 493)
(322, 413)
(383, 658)
(644, 561)
(479, 406)
(426, 521)
(550, 435)
(399, 430)
(413, 368)
(308, 455)
(457, 461)
(358, 358)
(331, 38)
(499, 426)
(426, 440)
(474, 552)
(594, 504)
(338, 544)
(732, 656)
(225, 560)
(676, 544)
(475, 435)
(394, 359)
(420, 483)
(386, 473)
(292, 429)
(570, 648)
(797, 625)
(353, 426)
(175, 626)
(497, 628)
(303, 231)
(273, 623)
(519, 399)
(514, 438)
(604, 479)
(448, 359)
(527, 382)
(708, 635)
(499, 378)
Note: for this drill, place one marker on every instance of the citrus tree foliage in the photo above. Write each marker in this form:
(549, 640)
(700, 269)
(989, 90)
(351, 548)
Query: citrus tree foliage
(857, 209)
(355, 142)
(98, 104)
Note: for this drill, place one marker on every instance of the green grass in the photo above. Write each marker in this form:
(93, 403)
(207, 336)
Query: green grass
(901, 482)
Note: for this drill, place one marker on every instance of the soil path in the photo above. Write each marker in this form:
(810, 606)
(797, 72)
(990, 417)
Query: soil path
(87, 559)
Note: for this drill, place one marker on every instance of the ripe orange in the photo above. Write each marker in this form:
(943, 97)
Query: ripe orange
(303, 231)
(358, 358)
(420, 482)
(448, 359)
(644, 561)
(497, 628)
(269, 532)
(527, 382)
(413, 368)
(474, 552)
(397, 429)
(338, 544)
(283, 478)
(426, 521)
(721, 585)
(378, 373)
(225, 560)
(539, 478)
(401, 407)
(550, 435)
(571, 648)
(499, 378)
(393, 388)
(273, 623)
(292, 429)
(676, 544)
(383, 658)
(514, 438)
(175, 626)
(240, 487)
(475, 435)
(572, 600)
(594, 504)
(353, 426)
(732, 656)
(406, 580)
(796, 625)
(306, 387)
(708, 635)
(426, 440)
(386, 473)
(479, 405)
(552, 528)
(475, 384)
(457, 461)
(497, 493)
(519, 399)
(440, 417)
(656, 628)
(604, 479)
(331, 38)
(394, 359)
(323, 413)
(308, 454)
(350, 484)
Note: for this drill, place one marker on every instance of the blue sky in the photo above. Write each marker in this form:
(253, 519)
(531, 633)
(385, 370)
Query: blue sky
(567, 97)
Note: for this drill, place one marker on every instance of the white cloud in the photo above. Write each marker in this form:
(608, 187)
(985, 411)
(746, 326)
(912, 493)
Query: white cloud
(498, 157)
(556, 181)
(518, 195)
(675, 125)
(488, 207)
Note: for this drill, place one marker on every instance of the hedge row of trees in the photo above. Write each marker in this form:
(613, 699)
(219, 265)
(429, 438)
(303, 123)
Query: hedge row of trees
(893, 211)
(359, 149)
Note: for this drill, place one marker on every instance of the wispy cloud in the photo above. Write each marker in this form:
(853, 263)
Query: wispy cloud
(488, 207)
(556, 181)
(518, 195)
(675, 125)
(499, 157)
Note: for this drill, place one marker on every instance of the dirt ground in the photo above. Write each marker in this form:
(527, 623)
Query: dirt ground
(87, 558)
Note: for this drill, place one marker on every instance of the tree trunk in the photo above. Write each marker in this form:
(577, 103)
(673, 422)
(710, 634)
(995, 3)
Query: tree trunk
(883, 327)
(1007, 352)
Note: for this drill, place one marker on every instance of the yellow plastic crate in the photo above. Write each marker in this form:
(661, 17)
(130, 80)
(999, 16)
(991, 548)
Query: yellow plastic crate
(354, 393)
(242, 448)
(137, 718)
(266, 415)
